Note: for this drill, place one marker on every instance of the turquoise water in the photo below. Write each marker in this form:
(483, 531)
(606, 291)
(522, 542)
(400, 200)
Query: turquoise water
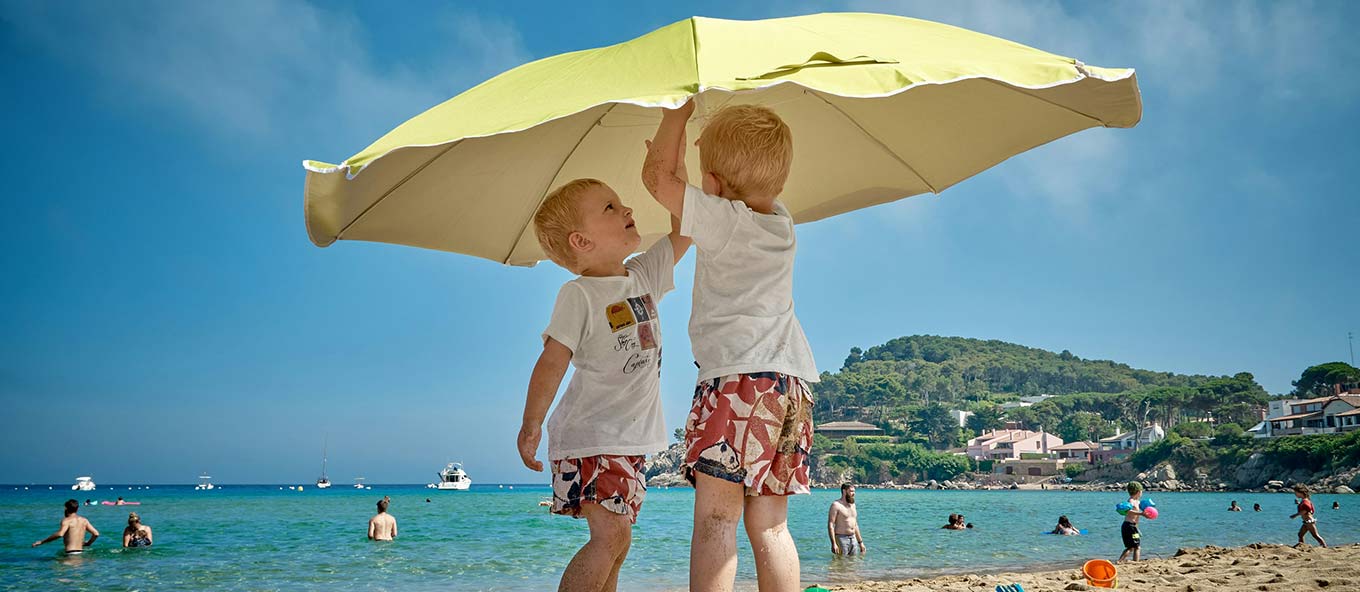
(492, 538)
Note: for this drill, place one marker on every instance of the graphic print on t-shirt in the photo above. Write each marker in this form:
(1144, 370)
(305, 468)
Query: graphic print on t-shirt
(643, 308)
(645, 336)
(620, 316)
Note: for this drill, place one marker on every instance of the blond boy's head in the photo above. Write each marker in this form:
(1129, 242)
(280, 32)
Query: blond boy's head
(748, 149)
(558, 217)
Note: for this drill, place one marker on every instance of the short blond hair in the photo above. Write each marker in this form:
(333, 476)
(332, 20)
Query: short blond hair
(558, 217)
(749, 147)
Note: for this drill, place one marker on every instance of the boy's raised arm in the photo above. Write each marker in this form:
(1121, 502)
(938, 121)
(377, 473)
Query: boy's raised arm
(543, 383)
(664, 156)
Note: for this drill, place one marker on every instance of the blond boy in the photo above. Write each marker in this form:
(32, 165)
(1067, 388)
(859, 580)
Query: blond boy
(605, 324)
(750, 426)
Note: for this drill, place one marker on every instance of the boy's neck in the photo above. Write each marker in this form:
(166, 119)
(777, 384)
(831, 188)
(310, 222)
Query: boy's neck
(611, 269)
(761, 204)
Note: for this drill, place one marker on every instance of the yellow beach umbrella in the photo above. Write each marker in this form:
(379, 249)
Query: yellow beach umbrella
(881, 108)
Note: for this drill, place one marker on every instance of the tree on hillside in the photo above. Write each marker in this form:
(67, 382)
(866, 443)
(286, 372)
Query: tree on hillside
(1320, 380)
(856, 356)
(986, 419)
(937, 426)
(1084, 425)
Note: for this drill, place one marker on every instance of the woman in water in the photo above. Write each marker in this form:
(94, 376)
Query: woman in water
(136, 534)
(1065, 527)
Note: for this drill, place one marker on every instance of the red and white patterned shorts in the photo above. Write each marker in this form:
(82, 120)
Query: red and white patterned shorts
(616, 483)
(753, 429)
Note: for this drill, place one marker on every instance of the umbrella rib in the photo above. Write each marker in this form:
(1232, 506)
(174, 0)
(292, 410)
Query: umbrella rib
(1031, 95)
(395, 187)
(876, 141)
(560, 166)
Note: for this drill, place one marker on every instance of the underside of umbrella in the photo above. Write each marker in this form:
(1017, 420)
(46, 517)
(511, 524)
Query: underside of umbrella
(881, 108)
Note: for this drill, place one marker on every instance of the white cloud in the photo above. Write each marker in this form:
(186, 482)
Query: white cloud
(266, 70)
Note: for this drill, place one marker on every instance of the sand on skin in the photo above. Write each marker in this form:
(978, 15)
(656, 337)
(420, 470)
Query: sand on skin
(1256, 567)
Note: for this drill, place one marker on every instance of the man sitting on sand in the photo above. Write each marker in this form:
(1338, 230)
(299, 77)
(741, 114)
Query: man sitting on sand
(842, 523)
(73, 528)
(382, 526)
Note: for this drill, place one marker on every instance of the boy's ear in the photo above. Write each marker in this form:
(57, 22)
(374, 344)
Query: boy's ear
(579, 242)
(717, 183)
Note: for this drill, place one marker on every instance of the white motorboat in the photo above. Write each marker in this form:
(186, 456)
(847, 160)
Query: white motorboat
(204, 483)
(452, 478)
(359, 483)
(83, 484)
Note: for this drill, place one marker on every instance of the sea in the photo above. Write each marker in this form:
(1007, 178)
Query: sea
(498, 537)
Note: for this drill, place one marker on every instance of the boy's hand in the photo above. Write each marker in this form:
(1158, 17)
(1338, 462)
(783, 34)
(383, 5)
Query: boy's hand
(529, 437)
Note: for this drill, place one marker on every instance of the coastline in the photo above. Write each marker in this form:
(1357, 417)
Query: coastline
(1259, 566)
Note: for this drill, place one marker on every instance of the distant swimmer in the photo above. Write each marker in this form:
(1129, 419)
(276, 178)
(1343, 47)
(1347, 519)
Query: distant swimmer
(1234, 507)
(842, 523)
(136, 534)
(382, 526)
(72, 529)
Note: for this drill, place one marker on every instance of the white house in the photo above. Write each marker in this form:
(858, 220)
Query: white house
(960, 416)
(1124, 444)
(1322, 415)
(1003, 444)
(1080, 451)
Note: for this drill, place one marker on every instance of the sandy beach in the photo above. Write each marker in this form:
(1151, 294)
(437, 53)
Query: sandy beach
(1263, 567)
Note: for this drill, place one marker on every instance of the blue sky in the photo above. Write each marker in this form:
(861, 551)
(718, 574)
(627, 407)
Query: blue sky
(163, 312)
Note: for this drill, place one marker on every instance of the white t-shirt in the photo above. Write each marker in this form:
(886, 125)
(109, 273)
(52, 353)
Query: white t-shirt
(743, 319)
(613, 403)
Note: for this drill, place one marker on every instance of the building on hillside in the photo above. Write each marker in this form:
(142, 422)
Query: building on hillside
(1026, 401)
(960, 416)
(1076, 451)
(1040, 467)
(839, 430)
(1321, 415)
(1124, 444)
(1002, 444)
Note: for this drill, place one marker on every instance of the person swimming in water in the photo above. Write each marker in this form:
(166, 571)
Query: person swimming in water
(136, 534)
(1065, 527)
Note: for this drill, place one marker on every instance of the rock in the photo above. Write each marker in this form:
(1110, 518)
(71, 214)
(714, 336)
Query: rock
(1274, 484)
(1342, 489)
(933, 484)
(1077, 586)
(668, 480)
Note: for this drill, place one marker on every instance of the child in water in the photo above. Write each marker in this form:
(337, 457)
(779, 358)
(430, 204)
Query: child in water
(1065, 527)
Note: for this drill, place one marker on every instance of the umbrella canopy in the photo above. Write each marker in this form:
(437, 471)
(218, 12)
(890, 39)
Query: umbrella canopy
(881, 108)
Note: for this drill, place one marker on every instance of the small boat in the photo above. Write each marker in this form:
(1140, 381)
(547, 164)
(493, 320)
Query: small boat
(82, 484)
(323, 482)
(452, 478)
(359, 483)
(204, 483)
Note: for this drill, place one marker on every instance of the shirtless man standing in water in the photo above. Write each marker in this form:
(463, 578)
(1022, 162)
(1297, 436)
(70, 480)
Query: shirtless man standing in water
(382, 526)
(842, 524)
(73, 529)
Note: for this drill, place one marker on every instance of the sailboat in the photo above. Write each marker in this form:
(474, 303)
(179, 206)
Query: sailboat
(323, 482)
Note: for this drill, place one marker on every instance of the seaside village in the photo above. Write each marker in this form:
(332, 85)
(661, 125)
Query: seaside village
(1015, 456)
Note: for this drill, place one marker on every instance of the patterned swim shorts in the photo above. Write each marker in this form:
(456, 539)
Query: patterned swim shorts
(615, 483)
(753, 429)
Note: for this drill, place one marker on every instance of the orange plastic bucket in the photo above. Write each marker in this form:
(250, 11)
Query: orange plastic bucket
(1100, 573)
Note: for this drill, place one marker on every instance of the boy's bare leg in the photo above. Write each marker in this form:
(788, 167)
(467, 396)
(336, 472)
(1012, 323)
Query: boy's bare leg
(713, 546)
(597, 564)
(1122, 556)
(767, 525)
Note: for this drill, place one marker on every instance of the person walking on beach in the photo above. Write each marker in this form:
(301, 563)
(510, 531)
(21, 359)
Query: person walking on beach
(1133, 540)
(1307, 512)
(73, 528)
(842, 524)
(605, 324)
(136, 534)
(750, 422)
(382, 526)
